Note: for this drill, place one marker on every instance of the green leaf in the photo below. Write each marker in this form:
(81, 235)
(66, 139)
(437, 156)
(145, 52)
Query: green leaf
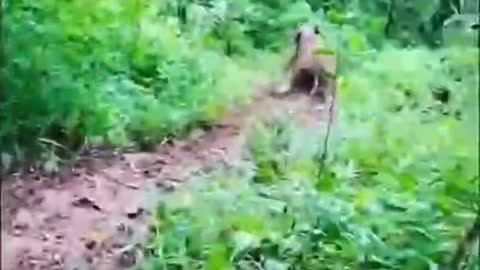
(272, 264)
(218, 258)
(324, 51)
(243, 240)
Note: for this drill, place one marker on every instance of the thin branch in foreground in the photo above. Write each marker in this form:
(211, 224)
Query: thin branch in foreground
(472, 235)
(323, 157)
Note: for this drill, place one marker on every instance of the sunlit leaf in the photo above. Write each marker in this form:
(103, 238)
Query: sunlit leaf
(324, 52)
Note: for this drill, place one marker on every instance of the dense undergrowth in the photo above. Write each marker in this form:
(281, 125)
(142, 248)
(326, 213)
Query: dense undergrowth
(78, 73)
(400, 181)
(115, 73)
(399, 189)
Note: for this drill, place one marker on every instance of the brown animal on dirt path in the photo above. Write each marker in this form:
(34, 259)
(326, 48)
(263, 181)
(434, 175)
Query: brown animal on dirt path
(310, 68)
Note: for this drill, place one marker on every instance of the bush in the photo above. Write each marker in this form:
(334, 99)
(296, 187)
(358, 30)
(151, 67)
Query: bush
(107, 73)
(134, 72)
(398, 190)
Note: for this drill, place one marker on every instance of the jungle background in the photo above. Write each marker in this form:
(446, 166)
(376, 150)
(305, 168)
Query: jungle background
(397, 187)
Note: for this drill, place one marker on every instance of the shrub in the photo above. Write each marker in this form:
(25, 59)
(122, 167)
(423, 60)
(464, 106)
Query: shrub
(398, 190)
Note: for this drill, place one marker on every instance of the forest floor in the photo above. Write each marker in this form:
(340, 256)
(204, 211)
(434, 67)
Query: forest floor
(93, 213)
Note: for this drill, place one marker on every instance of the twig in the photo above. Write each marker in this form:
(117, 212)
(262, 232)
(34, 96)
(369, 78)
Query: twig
(472, 234)
(323, 157)
(54, 143)
(388, 25)
(115, 180)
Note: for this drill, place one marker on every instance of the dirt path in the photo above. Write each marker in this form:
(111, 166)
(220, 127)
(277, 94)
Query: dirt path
(91, 217)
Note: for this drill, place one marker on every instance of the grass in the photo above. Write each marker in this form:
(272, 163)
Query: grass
(112, 75)
(392, 197)
(400, 183)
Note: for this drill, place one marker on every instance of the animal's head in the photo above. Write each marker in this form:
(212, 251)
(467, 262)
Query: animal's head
(307, 34)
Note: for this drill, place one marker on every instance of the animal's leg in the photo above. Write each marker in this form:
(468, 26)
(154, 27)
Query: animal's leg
(287, 84)
(322, 96)
(315, 86)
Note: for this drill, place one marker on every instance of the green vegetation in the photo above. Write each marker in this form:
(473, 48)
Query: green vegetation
(399, 188)
(132, 73)
(114, 73)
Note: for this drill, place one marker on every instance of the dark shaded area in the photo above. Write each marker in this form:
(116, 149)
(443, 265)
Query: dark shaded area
(441, 94)
(303, 81)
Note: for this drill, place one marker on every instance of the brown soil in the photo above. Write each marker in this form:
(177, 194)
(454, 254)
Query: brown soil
(92, 214)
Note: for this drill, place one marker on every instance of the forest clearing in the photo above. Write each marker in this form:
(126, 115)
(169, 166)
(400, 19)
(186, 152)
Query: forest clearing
(142, 135)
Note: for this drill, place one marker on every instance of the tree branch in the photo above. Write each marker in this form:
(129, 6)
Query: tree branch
(388, 25)
(323, 157)
(462, 248)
